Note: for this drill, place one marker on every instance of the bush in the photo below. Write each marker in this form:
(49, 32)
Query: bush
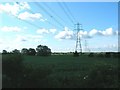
(12, 67)
(18, 75)
(116, 54)
(100, 55)
(108, 54)
(12, 64)
(91, 55)
(76, 54)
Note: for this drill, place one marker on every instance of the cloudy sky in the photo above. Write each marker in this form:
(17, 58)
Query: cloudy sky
(29, 24)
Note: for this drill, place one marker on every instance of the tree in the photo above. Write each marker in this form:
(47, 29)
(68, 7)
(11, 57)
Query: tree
(43, 50)
(15, 51)
(25, 51)
(4, 52)
(32, 51)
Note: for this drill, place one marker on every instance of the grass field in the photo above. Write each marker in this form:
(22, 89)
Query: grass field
(66, 71)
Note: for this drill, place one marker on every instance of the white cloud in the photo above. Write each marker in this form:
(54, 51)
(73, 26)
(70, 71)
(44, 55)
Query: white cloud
(23, 5)
(9, 44)
(13, 8)
(43, 30)
(43, 19)
(66, 34)
(34, 37)
(83, 34)
(23, 38)
(20, 38)
(19, 9)
(11, 29)
(110, 46)
(53, 30)
(1, 41)
(93, 32)
(30, 16)
(107, 32)
(19, 42)
(113, 46)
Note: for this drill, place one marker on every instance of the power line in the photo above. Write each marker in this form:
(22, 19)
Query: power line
(51, 16)
(37, 26)
(69, 11)
(24, 21)
(46, 20)
(54, 12)
(59, 3)
(33, 13)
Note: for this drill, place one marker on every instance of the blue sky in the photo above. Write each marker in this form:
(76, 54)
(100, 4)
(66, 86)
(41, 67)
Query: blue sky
(29, 24)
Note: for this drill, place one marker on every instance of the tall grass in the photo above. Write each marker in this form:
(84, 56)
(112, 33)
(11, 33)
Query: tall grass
(78, 72)
(12, 69)
(63, 71)
(18, 75)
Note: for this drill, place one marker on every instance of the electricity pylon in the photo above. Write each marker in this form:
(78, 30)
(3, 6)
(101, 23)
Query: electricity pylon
(78, 47)
(86, 46)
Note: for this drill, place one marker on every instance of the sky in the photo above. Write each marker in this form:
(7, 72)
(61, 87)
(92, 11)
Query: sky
(29, 24)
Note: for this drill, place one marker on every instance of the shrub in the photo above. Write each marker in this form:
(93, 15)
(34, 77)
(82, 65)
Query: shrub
(116, 54)
(11, 64)
(12, 67)
(91, 55)
(100, 55)
(108, 54)
(76, 54)
(18, 75)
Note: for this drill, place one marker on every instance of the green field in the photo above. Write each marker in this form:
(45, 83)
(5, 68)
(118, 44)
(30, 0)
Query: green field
(66, 71)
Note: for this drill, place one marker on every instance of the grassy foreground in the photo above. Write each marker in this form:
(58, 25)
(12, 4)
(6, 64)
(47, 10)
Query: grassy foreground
(63, 71)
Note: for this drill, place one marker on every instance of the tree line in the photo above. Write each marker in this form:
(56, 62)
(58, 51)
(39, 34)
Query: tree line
(41, 50)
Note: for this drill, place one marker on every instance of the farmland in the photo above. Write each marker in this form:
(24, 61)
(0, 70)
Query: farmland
(63, 71)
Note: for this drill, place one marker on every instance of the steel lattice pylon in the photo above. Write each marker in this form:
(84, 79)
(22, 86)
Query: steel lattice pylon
(78, 41)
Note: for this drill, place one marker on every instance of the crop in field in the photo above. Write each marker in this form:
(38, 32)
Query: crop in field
(59, 71)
